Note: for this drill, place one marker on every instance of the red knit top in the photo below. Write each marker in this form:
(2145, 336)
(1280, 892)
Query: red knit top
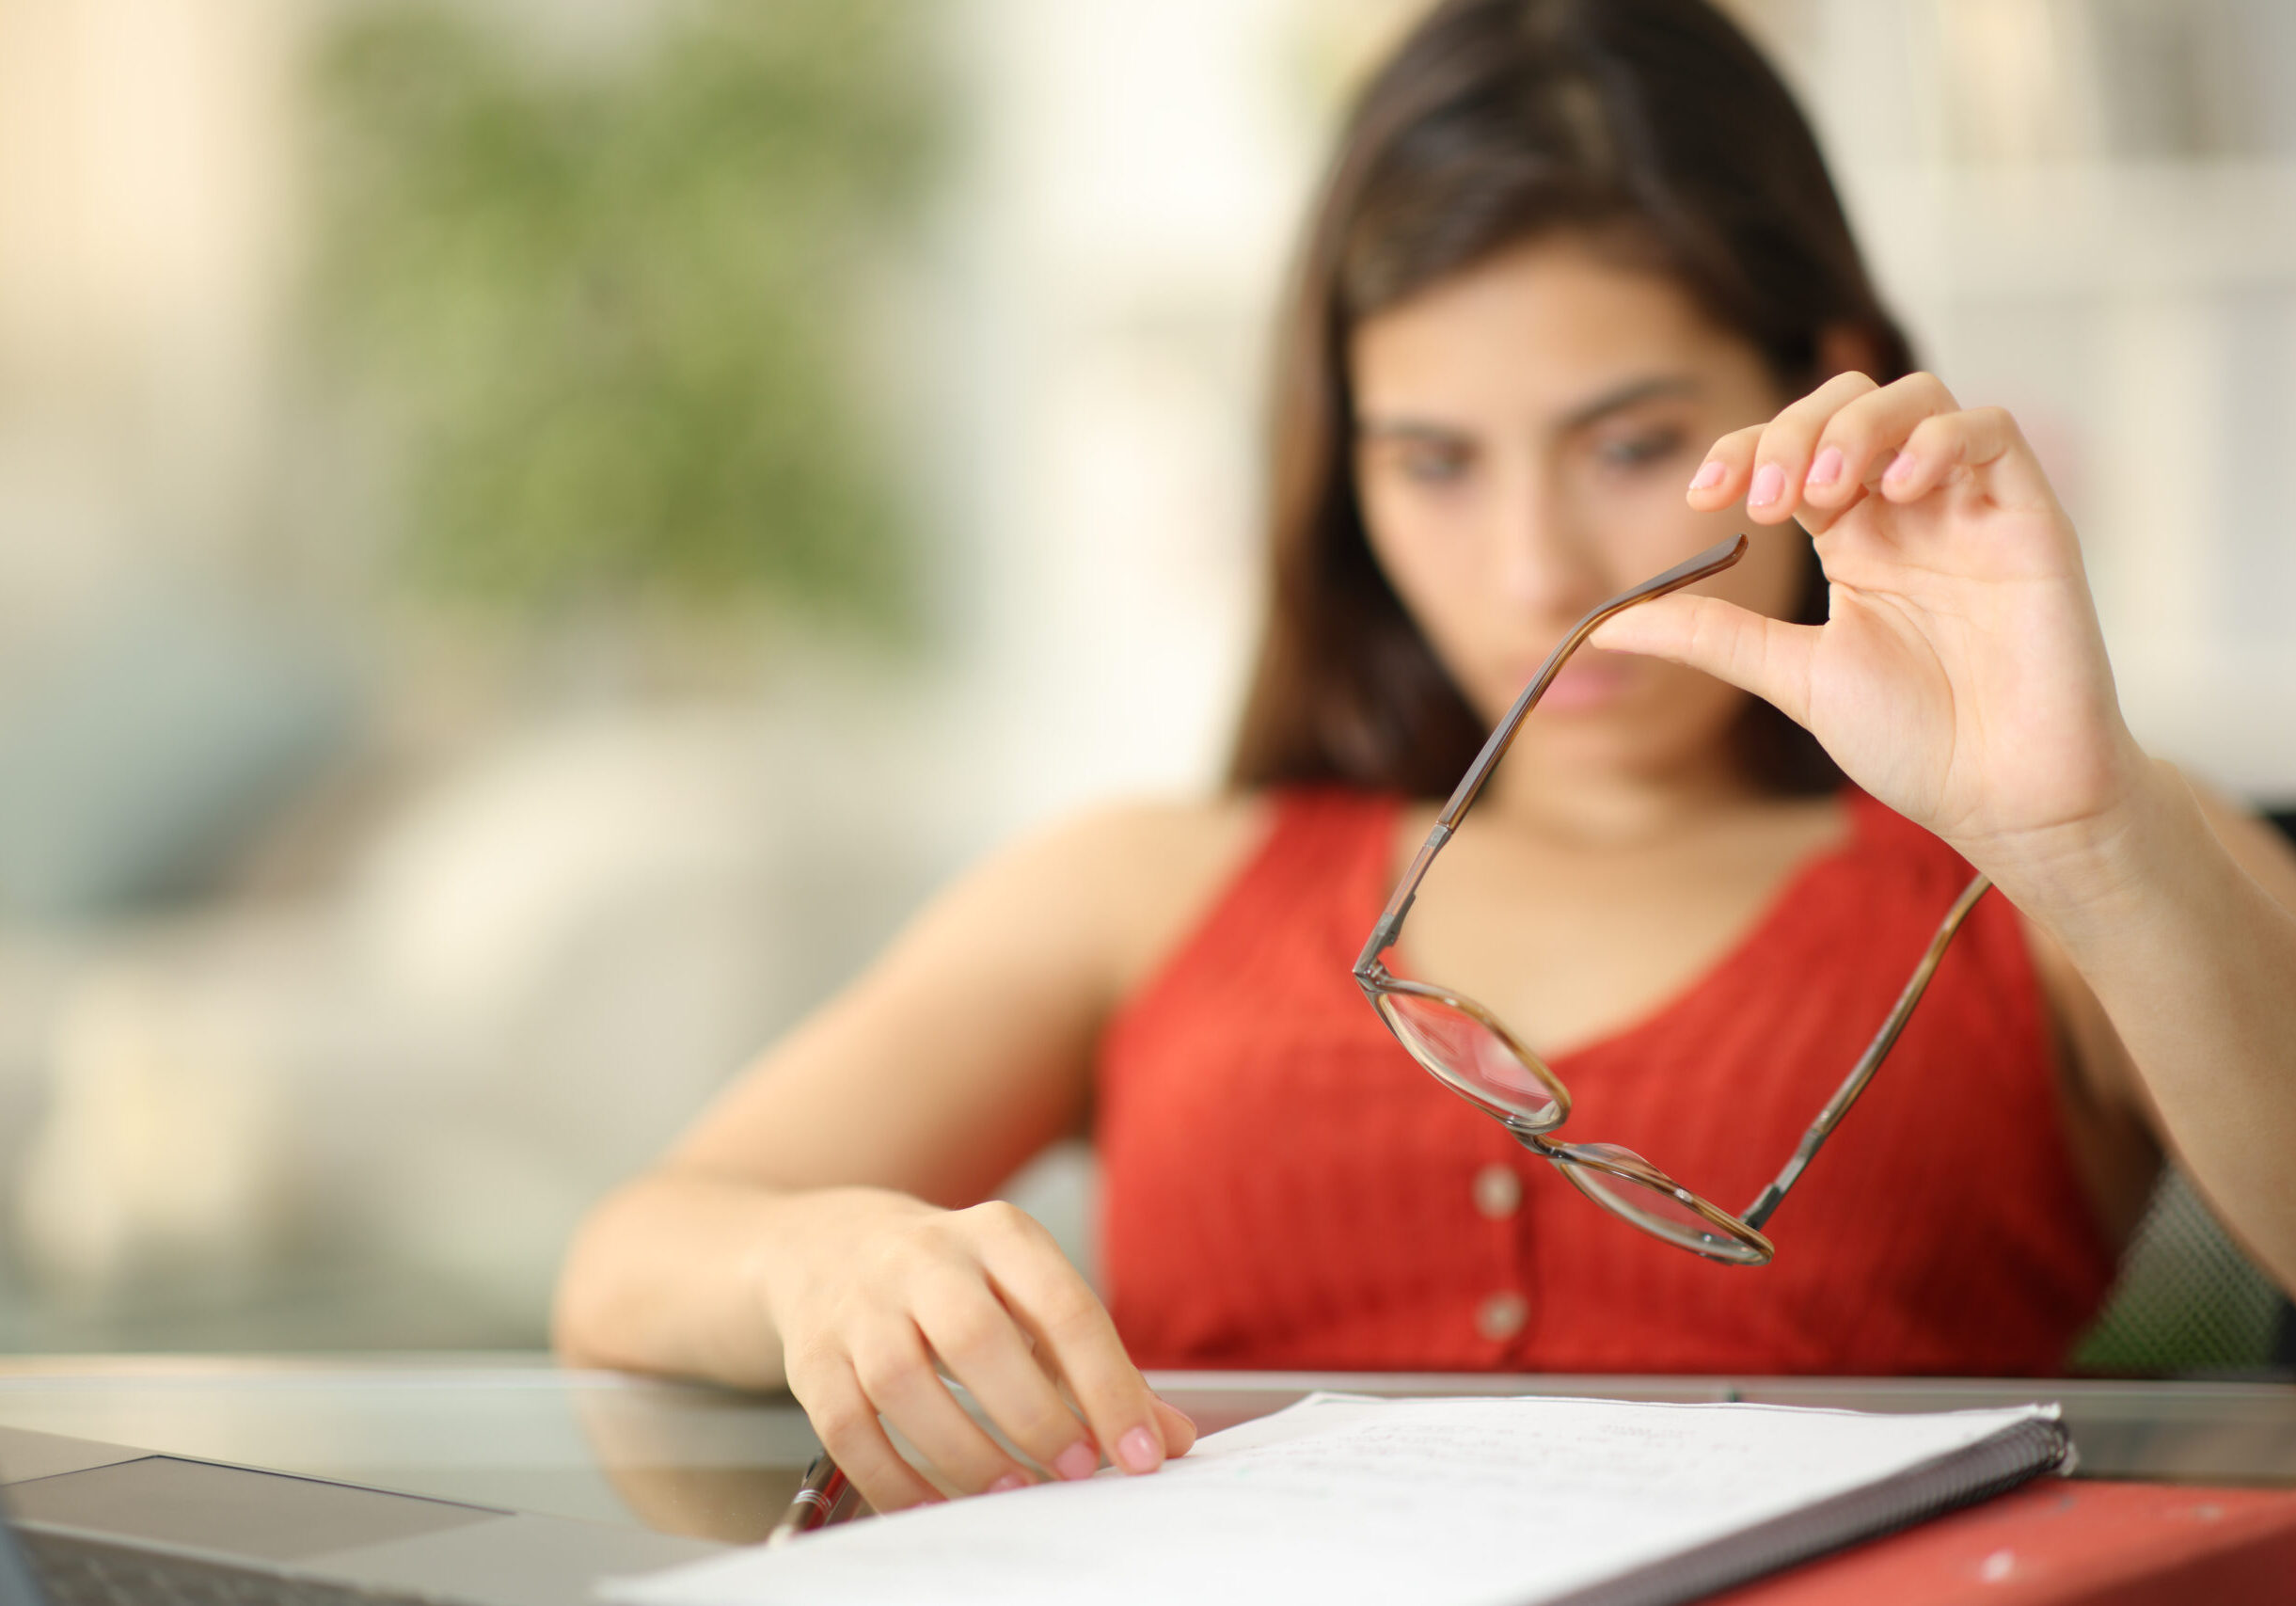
(1285, 1187)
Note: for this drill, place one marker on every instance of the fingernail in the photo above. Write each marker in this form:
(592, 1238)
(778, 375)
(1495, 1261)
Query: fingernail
(1076, 1461)
(1827, 470)
(1770, 484)
(1901, 467)
(1139, 1451)
(1008, 1482)
(1708, 476)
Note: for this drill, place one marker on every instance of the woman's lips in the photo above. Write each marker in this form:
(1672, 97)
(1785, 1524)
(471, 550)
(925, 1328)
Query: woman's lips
(1589, 681)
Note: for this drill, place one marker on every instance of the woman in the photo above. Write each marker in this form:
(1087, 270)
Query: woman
(1574, 255)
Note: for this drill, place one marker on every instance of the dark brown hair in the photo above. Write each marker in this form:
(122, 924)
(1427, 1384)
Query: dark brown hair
(1653, 123)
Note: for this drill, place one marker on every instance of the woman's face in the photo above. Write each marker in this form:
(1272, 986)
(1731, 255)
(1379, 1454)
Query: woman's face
(1525, 432)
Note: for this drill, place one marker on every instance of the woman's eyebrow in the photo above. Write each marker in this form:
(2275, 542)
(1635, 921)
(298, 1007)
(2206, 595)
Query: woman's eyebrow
(1408, 429)
(1626, 395)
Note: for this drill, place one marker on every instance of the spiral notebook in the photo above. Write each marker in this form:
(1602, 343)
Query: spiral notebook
(1341, 1499)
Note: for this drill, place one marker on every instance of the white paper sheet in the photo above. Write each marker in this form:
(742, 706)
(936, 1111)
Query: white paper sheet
(1341, 1499)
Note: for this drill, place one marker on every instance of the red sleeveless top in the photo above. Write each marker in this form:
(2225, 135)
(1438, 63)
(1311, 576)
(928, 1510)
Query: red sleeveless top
(1285, 1187)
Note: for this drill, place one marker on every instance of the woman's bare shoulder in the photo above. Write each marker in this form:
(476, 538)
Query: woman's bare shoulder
(1148, 869)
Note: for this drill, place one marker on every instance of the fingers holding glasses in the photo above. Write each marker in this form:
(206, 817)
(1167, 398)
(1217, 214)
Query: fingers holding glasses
(1772, 464)
(1851, 439)
(1892, 444)
(1983, 441)
(1724, 477)
(1909, 440)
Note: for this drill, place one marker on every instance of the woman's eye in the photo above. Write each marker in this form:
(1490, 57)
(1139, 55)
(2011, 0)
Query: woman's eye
(1639, 451)
(1433, 465)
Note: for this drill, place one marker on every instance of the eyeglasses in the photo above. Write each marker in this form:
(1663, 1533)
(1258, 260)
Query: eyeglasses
(1467, 1048)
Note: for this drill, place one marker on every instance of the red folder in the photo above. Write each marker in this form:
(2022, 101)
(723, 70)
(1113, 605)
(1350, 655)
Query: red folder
(2056, 1542)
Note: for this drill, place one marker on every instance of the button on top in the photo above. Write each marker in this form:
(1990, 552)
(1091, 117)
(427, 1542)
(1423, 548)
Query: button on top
(1502, 1316)
(1498, 1192)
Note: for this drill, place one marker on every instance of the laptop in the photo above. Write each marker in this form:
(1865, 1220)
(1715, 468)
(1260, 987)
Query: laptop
(82, 1521)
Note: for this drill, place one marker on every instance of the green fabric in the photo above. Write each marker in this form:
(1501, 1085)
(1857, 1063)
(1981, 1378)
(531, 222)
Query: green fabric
(2187, 1299)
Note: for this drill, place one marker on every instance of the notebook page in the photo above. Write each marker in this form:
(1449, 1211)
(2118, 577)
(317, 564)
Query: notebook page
(1340, 1499)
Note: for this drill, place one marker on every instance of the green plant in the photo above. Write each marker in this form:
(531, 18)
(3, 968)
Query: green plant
(608, 311)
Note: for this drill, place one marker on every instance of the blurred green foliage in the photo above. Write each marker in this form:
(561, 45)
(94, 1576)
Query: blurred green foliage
(609, 308)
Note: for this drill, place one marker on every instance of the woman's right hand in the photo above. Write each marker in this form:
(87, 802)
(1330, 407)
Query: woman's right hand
(868, 1289)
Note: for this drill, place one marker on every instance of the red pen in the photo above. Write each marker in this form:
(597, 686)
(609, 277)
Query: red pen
(815, 1503)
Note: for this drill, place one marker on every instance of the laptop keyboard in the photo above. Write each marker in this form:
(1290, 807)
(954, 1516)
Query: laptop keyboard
(88, 1572)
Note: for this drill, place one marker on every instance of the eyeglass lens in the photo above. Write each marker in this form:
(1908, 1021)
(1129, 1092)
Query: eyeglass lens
(1634, 1190)
(1464, 1051)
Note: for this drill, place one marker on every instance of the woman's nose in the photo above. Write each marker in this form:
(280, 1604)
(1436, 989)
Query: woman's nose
(1542, 560)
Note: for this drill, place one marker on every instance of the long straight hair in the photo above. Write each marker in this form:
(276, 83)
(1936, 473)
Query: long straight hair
(1653, 126)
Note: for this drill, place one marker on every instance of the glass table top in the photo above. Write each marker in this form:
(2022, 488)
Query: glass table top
(515, 1430)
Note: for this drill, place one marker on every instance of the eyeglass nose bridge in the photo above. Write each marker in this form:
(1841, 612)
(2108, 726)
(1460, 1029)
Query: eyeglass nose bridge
(1727, 1239)
(1532, 1137)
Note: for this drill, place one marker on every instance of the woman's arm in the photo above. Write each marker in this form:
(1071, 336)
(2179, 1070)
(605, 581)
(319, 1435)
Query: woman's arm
(2122, 1113)
(2185, 948)
(1961, 678)
(821, 1226)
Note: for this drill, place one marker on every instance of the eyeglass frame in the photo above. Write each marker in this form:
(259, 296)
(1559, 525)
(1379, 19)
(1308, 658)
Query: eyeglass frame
(1741, 1241)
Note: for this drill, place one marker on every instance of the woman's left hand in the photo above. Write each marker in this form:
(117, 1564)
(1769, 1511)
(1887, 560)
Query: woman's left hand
(1960, 676)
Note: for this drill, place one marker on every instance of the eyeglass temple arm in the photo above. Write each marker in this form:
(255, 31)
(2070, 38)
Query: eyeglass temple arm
(1713, 561)
(1868, 1062)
